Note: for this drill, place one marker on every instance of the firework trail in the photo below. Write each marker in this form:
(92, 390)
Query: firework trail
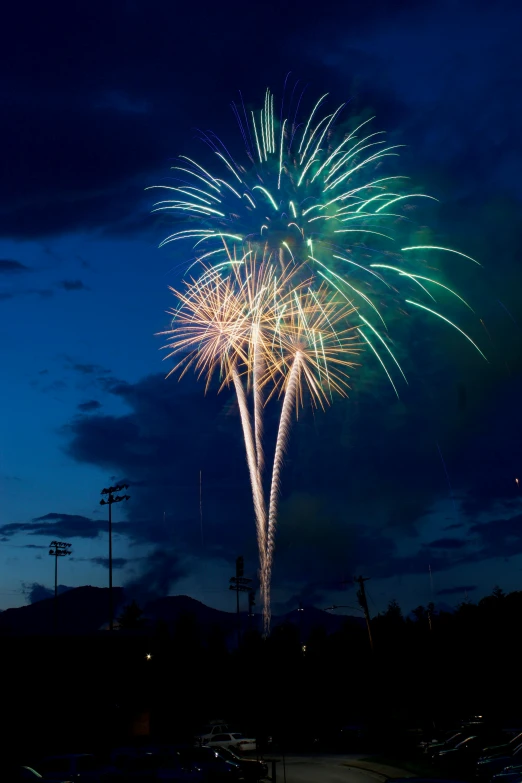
(315, 347)
(227, 323)
(309, 207)
(282, 439)
(255, 479)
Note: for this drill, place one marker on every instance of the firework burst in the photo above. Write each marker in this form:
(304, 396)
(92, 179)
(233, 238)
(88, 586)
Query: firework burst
(263, 330)
(299, 258)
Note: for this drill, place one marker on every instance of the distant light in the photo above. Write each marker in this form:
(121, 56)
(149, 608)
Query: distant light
(303, 648)
(148, 656)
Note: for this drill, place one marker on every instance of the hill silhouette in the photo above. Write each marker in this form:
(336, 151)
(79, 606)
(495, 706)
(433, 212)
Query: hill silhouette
(85, 610)
(82, 610)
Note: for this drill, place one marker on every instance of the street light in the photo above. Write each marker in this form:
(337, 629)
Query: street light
(240, 583)
(57, 549)
(112, 498)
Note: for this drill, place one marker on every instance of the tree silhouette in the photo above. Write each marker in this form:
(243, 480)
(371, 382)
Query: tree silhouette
(131, 619)
(394, 611)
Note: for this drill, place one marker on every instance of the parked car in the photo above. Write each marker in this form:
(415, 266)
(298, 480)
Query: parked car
(487, 767)
(18, 773)
(462, 758)
(489, 733)
(251, 769)
(421, 780)
(432, 748)
(504, 750)
(137, 764)
(209, 732)
(73, 766)
(171, 766)
(508, 775)
(140, 769)
(234, 741)
(212, 767)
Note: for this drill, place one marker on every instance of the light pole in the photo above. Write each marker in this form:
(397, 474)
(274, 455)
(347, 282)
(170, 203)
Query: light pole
(361, 597)
(57, 549)
(251, 602)
(240, 584)
(300, 616)
(112, 498)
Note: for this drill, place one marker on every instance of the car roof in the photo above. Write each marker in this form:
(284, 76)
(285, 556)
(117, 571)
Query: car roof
(467, 739)
(423, 780)
(68, 756)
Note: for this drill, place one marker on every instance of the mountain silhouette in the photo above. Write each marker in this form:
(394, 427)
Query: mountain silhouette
(85, 610)
(82, 610)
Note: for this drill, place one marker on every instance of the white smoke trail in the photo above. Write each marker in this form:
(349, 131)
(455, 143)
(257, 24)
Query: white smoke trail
(257, 490)
(258, 402)
(281, 443)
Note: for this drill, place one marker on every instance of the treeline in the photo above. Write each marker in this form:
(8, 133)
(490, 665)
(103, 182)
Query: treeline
(71, 693)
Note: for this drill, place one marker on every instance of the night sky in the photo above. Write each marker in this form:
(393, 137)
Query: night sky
(98, 99)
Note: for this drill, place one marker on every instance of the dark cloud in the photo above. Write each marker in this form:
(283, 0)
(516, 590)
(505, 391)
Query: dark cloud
(73, 285)
(500, 537)
(42, 293)
(89, 405)
(85, 368)
(494, 444)
(448, 543)
(8, 266)
(146, 447)
(172, 432)
(101, 137)
(34, 591)
(309, 594)
(34, 546)
(117, 562)
(55, 386)
(163, 569)
(370, 458)
(454, 526)
(458, 590)
(62, 526)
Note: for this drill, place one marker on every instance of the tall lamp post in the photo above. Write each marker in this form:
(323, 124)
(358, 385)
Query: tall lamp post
(112, 498)
(57, 549)
(240, 584)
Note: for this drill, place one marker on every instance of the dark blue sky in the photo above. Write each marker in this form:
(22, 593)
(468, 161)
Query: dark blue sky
(98, 98)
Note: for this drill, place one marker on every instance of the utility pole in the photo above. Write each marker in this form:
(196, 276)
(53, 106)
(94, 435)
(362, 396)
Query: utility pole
(251, 602)
(361, 596)
(241, 585)
(300, 611)
(57, 549)
(112, 498)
